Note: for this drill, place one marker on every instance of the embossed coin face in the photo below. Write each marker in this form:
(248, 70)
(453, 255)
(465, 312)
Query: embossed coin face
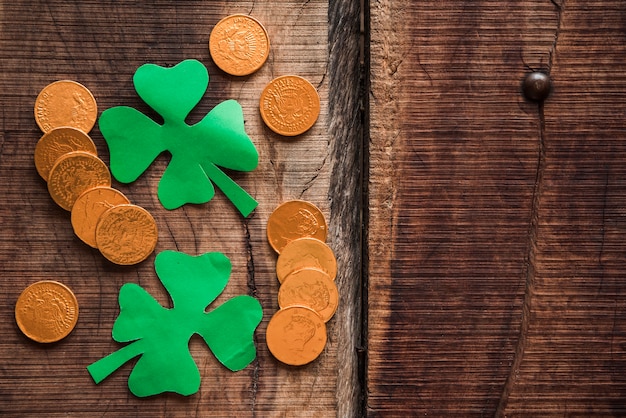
(296, 335)
(75, 173)
(295, 219)
(46, 311)
(289, 105)
(311, 288)
(65, 103)
(126, 234)
(58, 142)
(239, 45)
(89, 207)
(306, 253)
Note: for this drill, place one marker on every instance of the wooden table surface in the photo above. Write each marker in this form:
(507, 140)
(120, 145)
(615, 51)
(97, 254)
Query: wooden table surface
(496, 225)
(101, 44)
(479, 235)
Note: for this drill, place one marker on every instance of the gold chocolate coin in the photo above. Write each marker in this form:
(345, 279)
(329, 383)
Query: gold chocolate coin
(311, 288)
(73, 174)
(289, 105)
(306, 253)
(295, 219)
(46, 311)
(126, 234)
(89, 207)
(239, 45)
(296, 335)
(65, 103)
(58, 142)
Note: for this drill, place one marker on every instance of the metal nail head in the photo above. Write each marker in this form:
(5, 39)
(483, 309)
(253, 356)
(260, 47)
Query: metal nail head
(537, 86)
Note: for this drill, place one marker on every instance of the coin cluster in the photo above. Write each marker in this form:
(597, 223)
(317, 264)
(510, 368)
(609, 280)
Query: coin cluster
(80, 182)
(306, 268)
(289, 104)
(102, 217)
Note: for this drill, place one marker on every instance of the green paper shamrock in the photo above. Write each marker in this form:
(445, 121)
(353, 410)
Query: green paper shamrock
(161, 336)
(218, 140)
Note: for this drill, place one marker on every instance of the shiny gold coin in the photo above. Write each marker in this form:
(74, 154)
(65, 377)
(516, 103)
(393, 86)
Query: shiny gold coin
(289, 105)
(306, 253)
(239, 45)
(65, 103)
(311, 288)
(295, 219)
(126, 234)
(58, 142)
(46, 311)
(296, 335)
(73, 174)
(89, 207)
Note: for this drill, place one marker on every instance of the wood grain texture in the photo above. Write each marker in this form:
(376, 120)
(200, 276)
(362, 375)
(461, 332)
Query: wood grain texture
(100, 44)
(496, 237)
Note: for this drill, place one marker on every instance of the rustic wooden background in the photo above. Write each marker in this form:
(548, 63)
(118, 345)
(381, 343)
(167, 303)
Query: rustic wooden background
(484, 233)
(497, 227)
(100, 44)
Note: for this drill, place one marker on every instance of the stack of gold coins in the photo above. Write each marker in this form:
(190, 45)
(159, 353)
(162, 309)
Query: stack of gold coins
(80, 182)
(306, 269)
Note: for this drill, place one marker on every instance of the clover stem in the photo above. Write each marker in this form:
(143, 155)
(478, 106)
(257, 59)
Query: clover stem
(102, 368)
(244, 203)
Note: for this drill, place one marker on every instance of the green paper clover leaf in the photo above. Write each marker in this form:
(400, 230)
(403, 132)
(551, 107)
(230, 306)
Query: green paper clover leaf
(198, 151)
(161, 335)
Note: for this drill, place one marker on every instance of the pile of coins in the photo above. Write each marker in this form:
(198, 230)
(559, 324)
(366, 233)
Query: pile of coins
(102, 217)
(239, 46)
(306, 269)
(80, 182)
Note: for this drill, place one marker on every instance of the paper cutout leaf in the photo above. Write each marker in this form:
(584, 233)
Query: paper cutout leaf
(161, 335)
(198, 151)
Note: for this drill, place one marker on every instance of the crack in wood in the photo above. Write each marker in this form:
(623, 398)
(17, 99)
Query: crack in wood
(529, 270)
(557, 32)
(312, 180)
(530, 262)
(252, 291)
(529, 276)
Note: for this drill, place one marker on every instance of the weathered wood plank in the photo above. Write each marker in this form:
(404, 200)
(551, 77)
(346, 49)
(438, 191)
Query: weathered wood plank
(574, 345)
(495, 237)
(100, 44)
(346, 128)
